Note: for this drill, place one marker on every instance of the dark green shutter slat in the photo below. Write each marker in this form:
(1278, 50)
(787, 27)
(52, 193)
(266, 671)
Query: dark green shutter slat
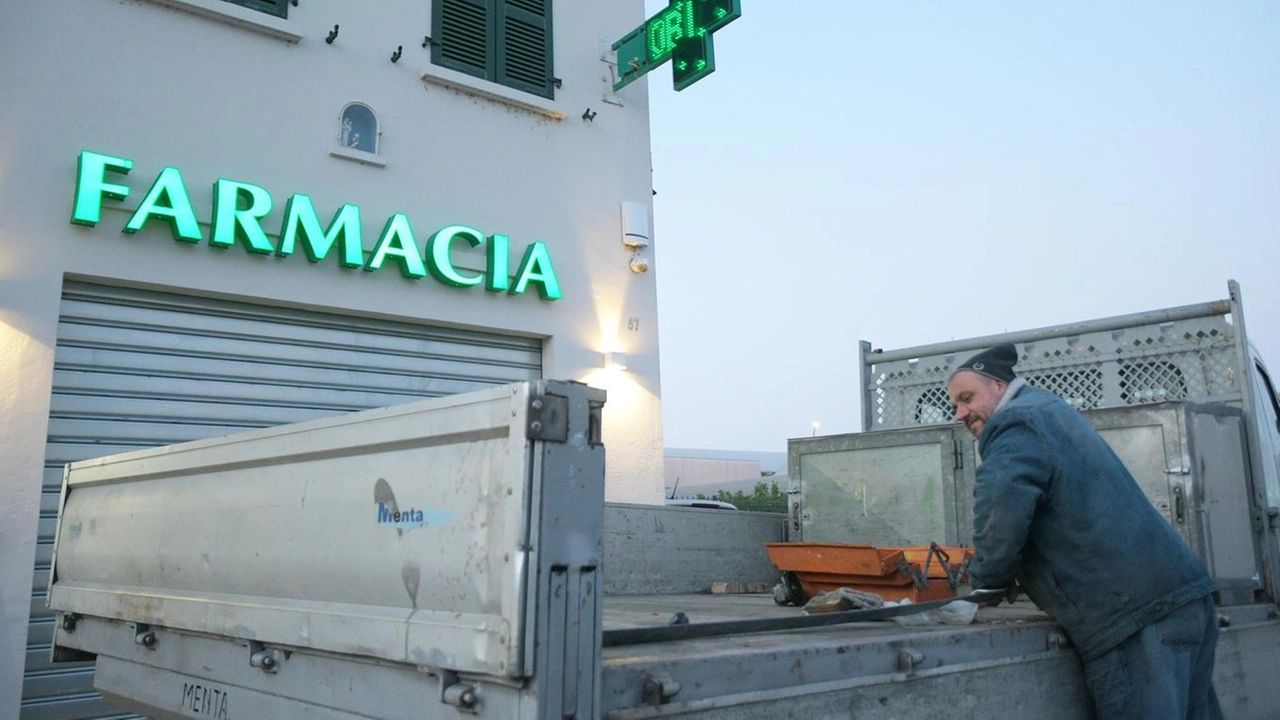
(279, 8)
(524, 46)
(462, 29)
(537, 7)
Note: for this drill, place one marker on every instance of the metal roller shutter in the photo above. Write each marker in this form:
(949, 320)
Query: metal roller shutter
(138, 368)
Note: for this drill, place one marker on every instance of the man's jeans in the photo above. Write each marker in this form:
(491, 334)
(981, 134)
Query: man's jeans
(1165, 670)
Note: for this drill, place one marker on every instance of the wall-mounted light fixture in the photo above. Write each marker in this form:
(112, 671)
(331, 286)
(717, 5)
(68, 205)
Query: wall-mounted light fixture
(333, 35)
(613, 360)
(636, 234)
(395, 56)
(635, 225)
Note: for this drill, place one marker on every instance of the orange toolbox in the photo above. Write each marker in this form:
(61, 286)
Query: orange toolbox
(920, 573)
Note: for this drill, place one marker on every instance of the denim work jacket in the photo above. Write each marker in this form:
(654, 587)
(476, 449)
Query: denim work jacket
(1055, 509)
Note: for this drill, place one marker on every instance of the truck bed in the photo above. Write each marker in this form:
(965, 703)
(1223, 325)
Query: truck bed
(446, 560)
(1012, 661)
(631, 611)
(876, 666)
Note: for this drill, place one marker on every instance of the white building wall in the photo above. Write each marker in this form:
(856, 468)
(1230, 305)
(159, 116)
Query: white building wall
(162, 84)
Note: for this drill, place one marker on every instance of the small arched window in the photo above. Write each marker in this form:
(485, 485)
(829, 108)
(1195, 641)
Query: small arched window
(358, 128)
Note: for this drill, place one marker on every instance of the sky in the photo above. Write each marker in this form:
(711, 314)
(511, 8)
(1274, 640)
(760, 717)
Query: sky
(912, 172)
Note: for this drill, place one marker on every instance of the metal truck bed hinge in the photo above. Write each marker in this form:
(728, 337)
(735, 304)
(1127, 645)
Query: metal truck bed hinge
(659, 688)
(455, 692)
(595, 424)
(1260, 520)
(908, 659)
(957, 456)
(266, 659)
(549, 418)
(144, 636)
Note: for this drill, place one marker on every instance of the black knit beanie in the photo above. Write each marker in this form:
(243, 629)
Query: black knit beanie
(996, 363)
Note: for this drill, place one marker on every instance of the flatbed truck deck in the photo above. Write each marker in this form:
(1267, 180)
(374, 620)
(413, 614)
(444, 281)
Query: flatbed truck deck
(455, 559)
(876, 669)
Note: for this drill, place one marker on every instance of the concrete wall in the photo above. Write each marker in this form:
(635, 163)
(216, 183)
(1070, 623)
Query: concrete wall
(219, 91)
(661, 550)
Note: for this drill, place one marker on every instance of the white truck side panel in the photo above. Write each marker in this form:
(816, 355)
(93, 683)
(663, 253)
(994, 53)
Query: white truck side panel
(396, 534)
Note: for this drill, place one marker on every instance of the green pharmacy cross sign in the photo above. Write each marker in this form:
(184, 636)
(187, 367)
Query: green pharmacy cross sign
(681, 33)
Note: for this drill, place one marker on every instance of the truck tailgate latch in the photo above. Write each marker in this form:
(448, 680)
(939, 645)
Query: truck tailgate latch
(549, 418)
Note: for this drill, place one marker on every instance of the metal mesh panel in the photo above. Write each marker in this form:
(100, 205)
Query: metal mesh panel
(934, 407)
(1082, 387)
(1189, 359)
(1145, 382)
(918, 394)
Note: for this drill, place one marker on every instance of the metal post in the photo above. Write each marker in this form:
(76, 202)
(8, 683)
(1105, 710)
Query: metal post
(1270, 549)
(864, 370)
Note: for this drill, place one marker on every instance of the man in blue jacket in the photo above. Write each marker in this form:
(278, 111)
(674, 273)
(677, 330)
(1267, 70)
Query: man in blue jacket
(1057, 512)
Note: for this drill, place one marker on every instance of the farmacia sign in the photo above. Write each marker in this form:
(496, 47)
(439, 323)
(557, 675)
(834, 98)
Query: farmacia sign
(239, 207)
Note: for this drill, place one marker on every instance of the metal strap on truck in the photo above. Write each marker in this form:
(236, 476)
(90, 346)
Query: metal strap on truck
(689, 631)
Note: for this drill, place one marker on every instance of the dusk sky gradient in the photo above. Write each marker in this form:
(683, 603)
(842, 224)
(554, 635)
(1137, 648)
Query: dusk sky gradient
(912, 172)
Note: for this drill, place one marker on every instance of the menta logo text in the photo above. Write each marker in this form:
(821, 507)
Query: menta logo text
(239, 207)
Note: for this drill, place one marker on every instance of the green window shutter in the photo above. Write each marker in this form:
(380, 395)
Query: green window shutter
(463, 29)
(279, 8)
(524, 46)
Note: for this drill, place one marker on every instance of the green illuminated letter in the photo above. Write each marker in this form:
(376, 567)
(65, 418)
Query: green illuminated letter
(439, 262)
(299, 213)
(498, 270)
(91, 185)
(230, 223)
(668, 28)
(397, 241)
(536, 267)
(167, 198)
